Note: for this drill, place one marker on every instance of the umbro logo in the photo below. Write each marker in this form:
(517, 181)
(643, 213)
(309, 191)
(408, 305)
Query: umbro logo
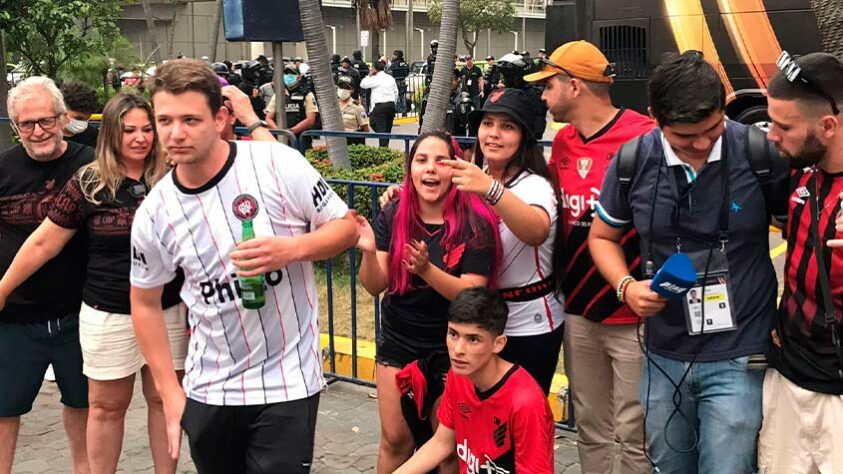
(802, 192)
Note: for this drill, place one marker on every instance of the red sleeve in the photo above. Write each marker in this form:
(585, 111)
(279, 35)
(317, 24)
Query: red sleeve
(68, 209)
(445, 414)
(533, 437)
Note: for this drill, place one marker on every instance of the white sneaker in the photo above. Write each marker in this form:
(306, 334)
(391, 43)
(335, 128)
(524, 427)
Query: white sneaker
(50, 376)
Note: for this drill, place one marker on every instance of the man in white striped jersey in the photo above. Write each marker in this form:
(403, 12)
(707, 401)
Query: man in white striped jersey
(252, 377)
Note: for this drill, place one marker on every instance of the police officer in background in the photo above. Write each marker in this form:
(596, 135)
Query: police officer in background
(347, 70)
(335, 66)
(362, 70)
(302, 112)
(250, 84)
(399, 70)
(472, 78)
(492, 76)
(431, 63)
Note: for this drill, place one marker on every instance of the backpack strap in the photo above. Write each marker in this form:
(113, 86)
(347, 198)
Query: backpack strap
(761, 154)
(627, 158)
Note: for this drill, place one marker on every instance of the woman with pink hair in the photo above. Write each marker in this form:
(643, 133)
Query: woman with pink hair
(426, 246)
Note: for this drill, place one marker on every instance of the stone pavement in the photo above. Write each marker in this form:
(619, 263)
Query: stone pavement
(346, 436)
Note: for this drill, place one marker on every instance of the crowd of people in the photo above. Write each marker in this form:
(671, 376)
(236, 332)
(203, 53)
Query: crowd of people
(134, 256)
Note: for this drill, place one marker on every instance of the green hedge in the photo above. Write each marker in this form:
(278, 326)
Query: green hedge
(381, 165)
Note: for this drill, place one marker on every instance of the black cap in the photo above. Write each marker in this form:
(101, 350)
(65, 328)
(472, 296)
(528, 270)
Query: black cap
(513, 102)
(345, 59)
(490, 58)
(291, 68)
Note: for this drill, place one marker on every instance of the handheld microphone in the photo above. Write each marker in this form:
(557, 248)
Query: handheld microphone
(675, 278)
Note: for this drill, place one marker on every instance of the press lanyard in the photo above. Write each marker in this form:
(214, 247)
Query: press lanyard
(825, 288)
(722, 220)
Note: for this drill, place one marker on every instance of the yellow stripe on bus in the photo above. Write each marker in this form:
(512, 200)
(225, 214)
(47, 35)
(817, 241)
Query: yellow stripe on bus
(690, 30)
(752, 36)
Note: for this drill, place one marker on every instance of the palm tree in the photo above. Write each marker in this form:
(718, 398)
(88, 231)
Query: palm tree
(829, 14)
(375, 16)
(152, 33)
(215, 29)
(326, 92)
(440, 87)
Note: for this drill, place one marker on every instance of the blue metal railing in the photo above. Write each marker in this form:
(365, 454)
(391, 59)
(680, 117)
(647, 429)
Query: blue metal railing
(372, 191)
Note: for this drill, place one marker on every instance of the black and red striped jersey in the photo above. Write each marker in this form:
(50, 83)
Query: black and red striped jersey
(580, 164)
(802, 348)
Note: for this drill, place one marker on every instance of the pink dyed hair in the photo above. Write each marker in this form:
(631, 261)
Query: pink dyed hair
(464, 215)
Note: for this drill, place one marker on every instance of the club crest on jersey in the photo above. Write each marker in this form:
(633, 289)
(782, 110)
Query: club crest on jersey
(583, 166)
(245, 207)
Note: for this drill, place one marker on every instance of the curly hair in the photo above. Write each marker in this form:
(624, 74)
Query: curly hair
(80, 97)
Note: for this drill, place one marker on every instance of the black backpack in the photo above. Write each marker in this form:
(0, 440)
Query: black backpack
(761, 154)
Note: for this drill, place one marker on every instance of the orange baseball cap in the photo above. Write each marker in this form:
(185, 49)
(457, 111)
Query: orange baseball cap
(579, 59)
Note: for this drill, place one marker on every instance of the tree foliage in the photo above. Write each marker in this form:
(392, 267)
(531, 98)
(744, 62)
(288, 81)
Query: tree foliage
(476, 15)
(49, 34)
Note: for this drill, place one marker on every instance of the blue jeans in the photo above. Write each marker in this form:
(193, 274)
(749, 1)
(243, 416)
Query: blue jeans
(715, 429)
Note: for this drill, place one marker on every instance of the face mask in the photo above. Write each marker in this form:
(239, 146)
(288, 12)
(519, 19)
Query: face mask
(76, 126)
(343, 94)
(289, 79)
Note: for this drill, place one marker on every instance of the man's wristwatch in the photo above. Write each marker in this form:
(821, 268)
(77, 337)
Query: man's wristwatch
(260, 123)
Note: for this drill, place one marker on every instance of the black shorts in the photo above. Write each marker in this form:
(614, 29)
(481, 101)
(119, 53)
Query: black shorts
(26, 349)
(252, 439)
(538, 354)
(397, 350)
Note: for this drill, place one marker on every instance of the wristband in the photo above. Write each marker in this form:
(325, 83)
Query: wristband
(621, 290)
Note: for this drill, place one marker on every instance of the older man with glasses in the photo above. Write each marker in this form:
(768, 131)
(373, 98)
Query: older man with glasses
(39, 323)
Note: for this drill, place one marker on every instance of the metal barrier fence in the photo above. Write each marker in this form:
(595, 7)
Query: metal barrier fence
(371, 191)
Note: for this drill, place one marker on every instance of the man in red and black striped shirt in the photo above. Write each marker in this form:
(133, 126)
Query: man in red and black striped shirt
(802, 429)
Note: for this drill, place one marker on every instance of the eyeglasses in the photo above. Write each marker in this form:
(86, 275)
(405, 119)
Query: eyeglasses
(792, 72)
(608, 72)
(45, 123)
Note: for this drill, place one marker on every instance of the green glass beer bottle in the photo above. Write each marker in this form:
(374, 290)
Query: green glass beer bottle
(252, 287)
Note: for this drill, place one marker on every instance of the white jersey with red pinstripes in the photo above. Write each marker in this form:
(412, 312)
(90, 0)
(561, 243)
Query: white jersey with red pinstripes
(524, 265)
(239, 356)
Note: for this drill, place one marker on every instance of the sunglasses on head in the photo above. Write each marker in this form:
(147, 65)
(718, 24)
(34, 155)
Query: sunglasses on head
(609, 72)
(793, 73)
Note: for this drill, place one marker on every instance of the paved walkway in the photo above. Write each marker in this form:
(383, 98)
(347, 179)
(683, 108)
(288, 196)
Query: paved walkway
(346, 436)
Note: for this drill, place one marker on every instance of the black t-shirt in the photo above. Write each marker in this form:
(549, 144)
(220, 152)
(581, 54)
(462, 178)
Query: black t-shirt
(471, 78)
(419, 317)
(28, 189)
(109, 226)
(87, 137)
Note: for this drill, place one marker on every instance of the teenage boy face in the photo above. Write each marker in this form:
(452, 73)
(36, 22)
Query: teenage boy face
(186, 127)
(694, 141)
(471, 347)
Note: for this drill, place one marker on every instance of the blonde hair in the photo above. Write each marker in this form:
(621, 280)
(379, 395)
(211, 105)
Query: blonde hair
(107, 172)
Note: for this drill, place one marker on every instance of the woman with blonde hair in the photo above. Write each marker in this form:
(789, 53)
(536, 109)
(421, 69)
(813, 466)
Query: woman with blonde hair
(101, 199)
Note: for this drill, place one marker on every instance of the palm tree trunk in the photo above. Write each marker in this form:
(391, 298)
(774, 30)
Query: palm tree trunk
(215, 29)
(151, 33)
(440, 87)
(171, 33)
(326, 92)
(829, 14)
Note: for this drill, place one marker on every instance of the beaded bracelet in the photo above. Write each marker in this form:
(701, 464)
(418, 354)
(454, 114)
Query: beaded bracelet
(625, 281)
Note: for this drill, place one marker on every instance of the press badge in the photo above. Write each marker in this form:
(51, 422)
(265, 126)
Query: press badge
(715, 305)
